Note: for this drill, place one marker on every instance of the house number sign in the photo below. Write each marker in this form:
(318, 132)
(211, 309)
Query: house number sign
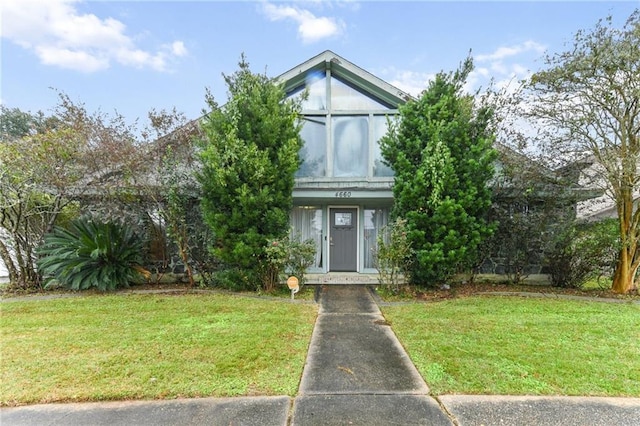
(343, 194)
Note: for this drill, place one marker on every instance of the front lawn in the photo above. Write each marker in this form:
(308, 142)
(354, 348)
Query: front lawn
(496, 345)
(115, 347)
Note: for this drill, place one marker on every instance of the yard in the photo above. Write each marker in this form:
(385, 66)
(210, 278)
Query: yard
(112, 347)
(151, 346)
(498, 345)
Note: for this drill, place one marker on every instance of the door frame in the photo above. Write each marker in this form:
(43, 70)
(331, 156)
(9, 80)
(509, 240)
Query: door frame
(358, 225)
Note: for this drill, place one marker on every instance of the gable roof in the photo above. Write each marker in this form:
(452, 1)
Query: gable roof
(347, 71)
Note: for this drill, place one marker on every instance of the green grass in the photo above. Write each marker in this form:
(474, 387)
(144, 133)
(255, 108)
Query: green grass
(522, 346)
(114, 347)
(117, 347)
(598, 283)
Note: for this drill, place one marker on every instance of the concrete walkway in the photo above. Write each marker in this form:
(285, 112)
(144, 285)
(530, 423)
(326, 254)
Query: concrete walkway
(356, 373)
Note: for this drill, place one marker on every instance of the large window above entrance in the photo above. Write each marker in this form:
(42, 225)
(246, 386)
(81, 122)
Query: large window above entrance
(314, 151)
(347, 98)
(341, 129)
(350, 146)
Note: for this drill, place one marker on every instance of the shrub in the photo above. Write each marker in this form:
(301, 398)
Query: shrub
(234, 279)
(520, 238)
(249, 155)
(582, 252)
(301, 256)
(287, 256)
(526, 228)
(104, 255)
(393, 254)
(276, 254)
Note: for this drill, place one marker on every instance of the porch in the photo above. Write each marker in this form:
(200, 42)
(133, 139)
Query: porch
(337, 278)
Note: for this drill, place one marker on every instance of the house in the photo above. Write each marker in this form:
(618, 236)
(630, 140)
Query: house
(601, 206)
(343, 190)
(342, 196)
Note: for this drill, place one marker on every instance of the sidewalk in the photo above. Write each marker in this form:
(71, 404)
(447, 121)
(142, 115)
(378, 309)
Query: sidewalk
(356, 373)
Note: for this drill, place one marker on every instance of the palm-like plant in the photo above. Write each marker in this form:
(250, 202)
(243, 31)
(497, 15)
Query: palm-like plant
(105, 255)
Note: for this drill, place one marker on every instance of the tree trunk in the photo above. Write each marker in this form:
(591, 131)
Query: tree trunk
(184, 254)
(182, 239)
(8, 262)
(626, 267)
(623, 278)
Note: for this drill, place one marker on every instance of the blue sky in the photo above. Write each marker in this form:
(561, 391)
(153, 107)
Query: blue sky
(132, 56)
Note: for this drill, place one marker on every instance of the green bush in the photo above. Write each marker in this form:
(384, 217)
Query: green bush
(393, 255)
(582, 252)
(272, 268)
(288, 256)
(301, 256)
(234, 279)
(523, 233)
(91, 253)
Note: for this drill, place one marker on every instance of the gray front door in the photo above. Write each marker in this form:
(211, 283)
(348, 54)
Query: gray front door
(343, 240)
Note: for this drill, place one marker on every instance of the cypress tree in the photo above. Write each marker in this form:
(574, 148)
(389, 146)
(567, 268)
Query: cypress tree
(249, 157)
(441, 151)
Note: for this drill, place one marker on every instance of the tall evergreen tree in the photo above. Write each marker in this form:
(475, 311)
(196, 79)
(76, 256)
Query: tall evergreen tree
(249, 157)
(442, 155)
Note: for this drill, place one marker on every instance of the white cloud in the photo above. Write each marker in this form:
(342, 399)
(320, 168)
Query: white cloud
(508, 51)
(310, 27)
(505, 63)
(178, 48)
(504, 74)
(411, 82)
(62, 36)
(81, 61)
(503, 67)
(505, 60)
(414, 82)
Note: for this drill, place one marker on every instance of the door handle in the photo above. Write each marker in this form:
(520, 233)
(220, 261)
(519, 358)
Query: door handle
(330, 241)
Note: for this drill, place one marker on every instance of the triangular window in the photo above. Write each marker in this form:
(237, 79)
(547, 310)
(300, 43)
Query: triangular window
(345, 97)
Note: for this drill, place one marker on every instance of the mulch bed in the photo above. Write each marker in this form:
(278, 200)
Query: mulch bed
(479, 288)
(406, 293)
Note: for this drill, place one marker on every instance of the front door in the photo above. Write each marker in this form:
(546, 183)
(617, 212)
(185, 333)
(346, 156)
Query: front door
(343, 239)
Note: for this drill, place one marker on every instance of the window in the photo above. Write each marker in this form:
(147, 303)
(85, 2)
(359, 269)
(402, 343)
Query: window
(379, 130)
(350, 146)
(374, 222)
(345, 97)
(316, 85)
(341, 133)
(343, 219)
(306, 224)
(314, 151)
